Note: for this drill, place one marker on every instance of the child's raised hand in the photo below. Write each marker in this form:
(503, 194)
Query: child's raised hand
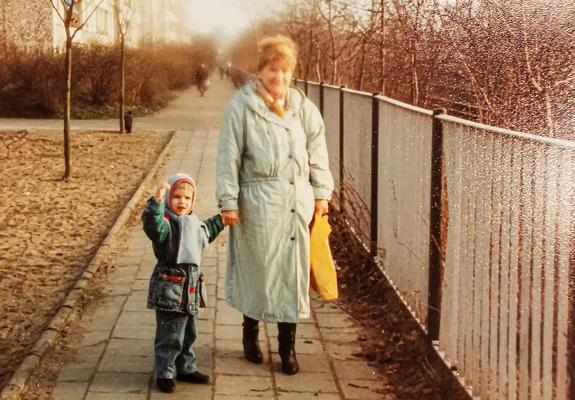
(161, 191)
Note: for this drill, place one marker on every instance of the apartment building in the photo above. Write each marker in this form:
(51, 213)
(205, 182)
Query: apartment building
(35, 25)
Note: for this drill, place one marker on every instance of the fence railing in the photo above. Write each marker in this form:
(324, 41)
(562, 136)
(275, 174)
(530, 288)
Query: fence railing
(474, 227)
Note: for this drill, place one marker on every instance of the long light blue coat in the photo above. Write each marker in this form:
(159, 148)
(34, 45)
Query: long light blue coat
(271, 170)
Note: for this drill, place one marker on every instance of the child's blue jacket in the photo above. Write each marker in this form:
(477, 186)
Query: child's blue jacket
(177, 286)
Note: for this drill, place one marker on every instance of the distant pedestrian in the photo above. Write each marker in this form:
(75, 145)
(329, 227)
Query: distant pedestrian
(201, 76)
(177, 288)
(128, 121)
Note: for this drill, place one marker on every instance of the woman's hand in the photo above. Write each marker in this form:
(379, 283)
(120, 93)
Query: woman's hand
(321, 207)
(230, 217)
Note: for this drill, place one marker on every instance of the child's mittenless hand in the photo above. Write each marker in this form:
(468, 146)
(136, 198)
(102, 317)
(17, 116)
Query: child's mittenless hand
(161, 191)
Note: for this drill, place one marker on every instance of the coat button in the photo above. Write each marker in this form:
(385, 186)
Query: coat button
(291, 182)
(290, 156)
(292, 238)
(292, 210)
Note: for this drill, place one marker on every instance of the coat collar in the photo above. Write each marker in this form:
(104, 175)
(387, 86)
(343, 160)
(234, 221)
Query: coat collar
(296, 98)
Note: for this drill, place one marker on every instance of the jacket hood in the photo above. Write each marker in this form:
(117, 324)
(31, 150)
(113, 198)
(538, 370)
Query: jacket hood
(175, 179)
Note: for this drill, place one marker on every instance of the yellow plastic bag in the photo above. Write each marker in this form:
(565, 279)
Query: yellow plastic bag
(323, 274)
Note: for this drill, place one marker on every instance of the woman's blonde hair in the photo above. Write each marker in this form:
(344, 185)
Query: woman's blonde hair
(278, 47)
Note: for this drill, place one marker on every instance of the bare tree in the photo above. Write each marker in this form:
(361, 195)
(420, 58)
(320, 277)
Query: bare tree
(69, 14)
(123, 14)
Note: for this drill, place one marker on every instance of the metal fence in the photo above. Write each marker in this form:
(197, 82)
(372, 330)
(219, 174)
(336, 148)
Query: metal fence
(474, 227)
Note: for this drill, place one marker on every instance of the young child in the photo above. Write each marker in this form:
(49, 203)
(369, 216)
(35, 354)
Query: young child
(176, 288)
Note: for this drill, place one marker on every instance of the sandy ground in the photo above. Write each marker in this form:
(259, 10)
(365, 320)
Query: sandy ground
(50, 228)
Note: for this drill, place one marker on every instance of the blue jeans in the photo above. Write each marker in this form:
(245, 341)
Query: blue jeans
(175, 334)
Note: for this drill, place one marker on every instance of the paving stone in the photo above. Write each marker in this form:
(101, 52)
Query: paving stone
(207, 314)
(113, 362)
(308, 396)
(74, 373)
(94, 338)
(364, 390)
(70, 390)
(137, 318)
(114, 289)
(210, 272)
(307, 363)
(205, 328)
(136, 301)
(205, 340)
(141, 285)
(105, 317)
(335, 335)
(145, 271)
(135, 347)
(116, 396)
(149, 261)
(226, 315)
(234, 363)
(350, 369)
(334, 320)
(123, 275)
(184, 391)
(232, 332)
(302, 346)
(126, 260)
(236, 397)
(114, 382)
(303, 331)
(348, 351)
(320, 306)
(306, 382)
(228, 346)
(241, 385)
(134, 332)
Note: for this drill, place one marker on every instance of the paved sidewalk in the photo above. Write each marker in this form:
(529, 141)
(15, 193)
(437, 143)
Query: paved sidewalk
(114, 360)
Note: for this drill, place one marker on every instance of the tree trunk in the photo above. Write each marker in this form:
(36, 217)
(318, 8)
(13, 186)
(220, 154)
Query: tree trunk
(67, 105)
(122, 83)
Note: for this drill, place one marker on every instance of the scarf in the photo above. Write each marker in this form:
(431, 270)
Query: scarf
(277, 106)
(193, 238)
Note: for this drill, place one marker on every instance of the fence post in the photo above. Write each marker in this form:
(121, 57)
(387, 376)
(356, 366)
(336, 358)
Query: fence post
(321, 98)
(571, 313)
(341, 136)
(374, 172)
(435, 237)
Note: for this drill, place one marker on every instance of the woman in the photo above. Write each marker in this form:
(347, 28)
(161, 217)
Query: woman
(272, 174)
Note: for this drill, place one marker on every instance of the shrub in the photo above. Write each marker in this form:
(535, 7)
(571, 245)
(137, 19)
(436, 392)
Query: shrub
(32, 83)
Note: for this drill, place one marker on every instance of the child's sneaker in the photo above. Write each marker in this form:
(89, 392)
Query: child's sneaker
(194, 377)
(166, 385)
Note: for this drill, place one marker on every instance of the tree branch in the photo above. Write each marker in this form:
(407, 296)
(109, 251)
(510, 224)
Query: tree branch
(56, 8)
(88, 17)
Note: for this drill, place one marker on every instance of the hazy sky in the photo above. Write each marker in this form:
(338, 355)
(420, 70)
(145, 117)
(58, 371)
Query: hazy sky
(228, 17)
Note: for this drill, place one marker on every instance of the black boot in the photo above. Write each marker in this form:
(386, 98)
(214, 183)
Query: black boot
(250, 340)
(286, 349)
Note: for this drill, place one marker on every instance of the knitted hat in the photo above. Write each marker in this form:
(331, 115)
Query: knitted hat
(174, 181)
